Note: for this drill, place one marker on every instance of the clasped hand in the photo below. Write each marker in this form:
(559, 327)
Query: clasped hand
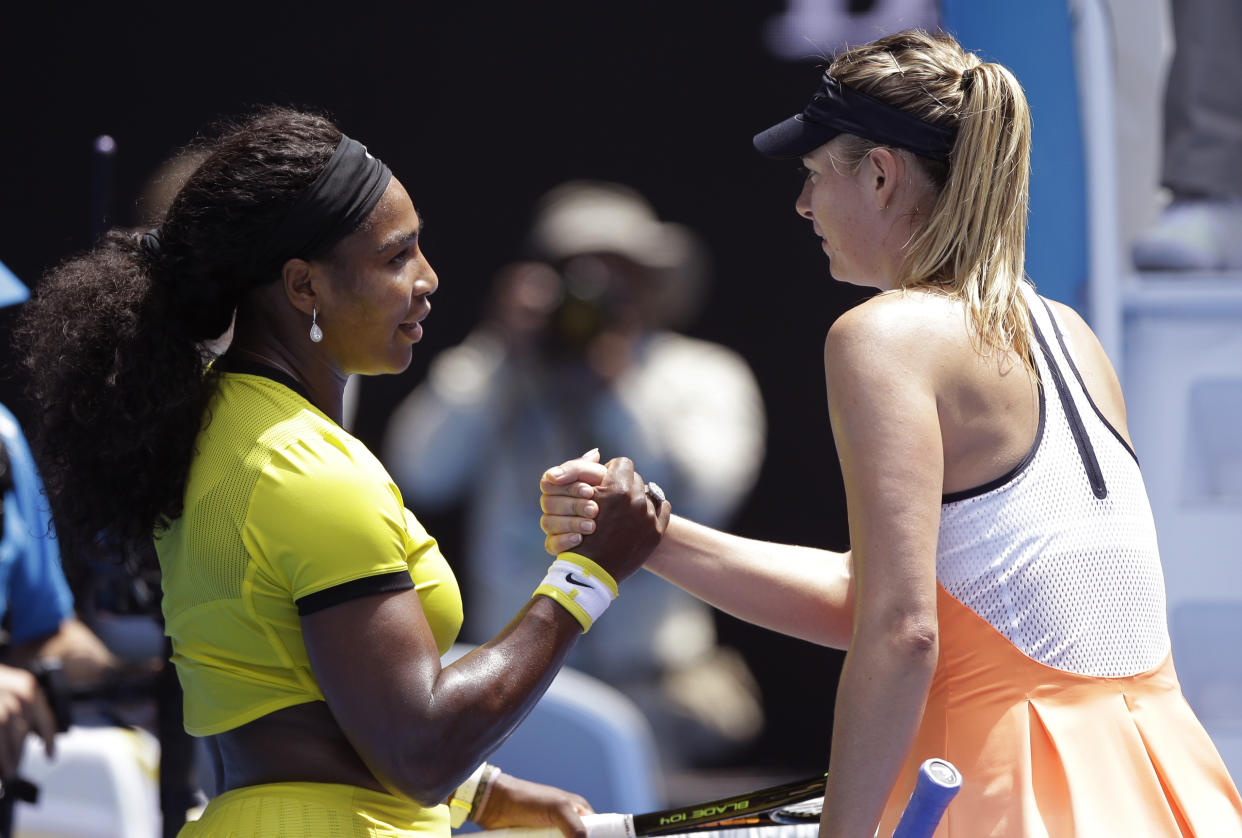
(589, 507)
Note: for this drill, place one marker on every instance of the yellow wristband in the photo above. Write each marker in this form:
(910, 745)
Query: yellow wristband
(462, 801)
(579, 613)
(581, 586)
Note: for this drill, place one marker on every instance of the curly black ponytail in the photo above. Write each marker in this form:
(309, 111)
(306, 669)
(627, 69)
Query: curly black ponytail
(113, 340)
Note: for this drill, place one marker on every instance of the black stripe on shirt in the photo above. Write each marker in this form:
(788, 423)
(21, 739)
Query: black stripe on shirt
(1078, 430)
(1074, 367)
(384, 583)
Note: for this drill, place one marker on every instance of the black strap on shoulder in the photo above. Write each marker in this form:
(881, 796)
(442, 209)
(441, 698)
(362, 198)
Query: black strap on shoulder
(1078, 430)
(1069, 359)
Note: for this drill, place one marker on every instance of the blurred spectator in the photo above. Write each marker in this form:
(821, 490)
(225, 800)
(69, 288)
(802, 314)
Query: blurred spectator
(575, 351)
(36, 605)
(1201, 228)
(35, 601)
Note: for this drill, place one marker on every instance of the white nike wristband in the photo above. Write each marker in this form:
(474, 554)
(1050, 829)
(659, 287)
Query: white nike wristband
(581, 586)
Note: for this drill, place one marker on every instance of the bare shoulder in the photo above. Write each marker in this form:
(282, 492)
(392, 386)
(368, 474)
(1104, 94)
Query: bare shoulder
(1079, 333)
(1084, 347)
(899, 329)
(1093, 364)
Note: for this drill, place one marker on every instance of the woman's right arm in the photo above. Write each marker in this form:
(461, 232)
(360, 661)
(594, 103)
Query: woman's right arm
(800, 591)
(422, 728)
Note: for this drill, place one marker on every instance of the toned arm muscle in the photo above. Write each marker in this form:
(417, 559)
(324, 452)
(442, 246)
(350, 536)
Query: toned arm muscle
(422, 728)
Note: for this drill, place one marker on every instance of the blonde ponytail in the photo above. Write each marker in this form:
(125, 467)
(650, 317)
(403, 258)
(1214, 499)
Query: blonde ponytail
(973, 246)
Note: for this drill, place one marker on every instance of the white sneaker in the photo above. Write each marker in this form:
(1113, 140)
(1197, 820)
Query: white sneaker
(1204, 235)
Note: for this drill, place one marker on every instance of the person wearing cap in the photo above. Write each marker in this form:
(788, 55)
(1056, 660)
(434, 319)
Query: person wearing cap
(579, 348)
(36, 603)
(1003, 603)
(307, 607)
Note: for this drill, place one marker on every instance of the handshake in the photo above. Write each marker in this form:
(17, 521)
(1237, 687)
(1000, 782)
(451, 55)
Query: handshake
(601, 522)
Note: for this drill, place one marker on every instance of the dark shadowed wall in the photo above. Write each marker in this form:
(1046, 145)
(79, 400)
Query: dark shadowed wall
(478, 108)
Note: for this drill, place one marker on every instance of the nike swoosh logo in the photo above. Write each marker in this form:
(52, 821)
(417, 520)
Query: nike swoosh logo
(582, 584)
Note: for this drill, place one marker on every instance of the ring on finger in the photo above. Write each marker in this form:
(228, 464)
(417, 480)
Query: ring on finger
(654, 492)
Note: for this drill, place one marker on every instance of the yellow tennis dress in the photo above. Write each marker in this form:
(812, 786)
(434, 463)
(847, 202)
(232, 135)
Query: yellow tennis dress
(286, 513)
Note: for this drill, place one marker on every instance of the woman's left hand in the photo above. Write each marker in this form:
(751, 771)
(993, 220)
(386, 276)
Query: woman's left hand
(516, 802)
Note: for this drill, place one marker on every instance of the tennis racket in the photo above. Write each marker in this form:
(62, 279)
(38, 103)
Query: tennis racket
(937, 783)
(797, 802)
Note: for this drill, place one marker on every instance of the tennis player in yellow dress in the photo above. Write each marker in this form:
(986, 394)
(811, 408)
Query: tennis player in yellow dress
(307, 607)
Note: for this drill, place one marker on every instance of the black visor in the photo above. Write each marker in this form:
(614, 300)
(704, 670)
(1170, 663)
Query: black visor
(837, 109)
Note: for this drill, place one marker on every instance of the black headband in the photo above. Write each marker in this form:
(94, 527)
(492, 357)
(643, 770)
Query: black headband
(332, 207)
(837, 109)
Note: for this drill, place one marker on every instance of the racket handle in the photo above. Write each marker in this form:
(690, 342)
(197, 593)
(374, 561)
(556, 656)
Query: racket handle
(938, 782)
(599, 825)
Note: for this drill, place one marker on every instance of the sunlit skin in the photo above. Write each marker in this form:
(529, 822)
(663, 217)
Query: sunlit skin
(369, 295)
(373, 290)
(916, 410)
(866, 218)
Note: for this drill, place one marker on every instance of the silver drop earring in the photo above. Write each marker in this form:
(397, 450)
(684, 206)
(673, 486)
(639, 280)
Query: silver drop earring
(316, 333)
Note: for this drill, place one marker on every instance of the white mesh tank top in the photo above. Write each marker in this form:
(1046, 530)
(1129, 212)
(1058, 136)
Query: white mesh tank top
(1060, 555)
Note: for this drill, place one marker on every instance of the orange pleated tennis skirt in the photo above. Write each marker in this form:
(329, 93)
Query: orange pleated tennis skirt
(1044, 752)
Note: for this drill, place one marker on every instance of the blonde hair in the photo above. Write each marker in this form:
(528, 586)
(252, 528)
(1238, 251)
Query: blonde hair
(973, 245)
